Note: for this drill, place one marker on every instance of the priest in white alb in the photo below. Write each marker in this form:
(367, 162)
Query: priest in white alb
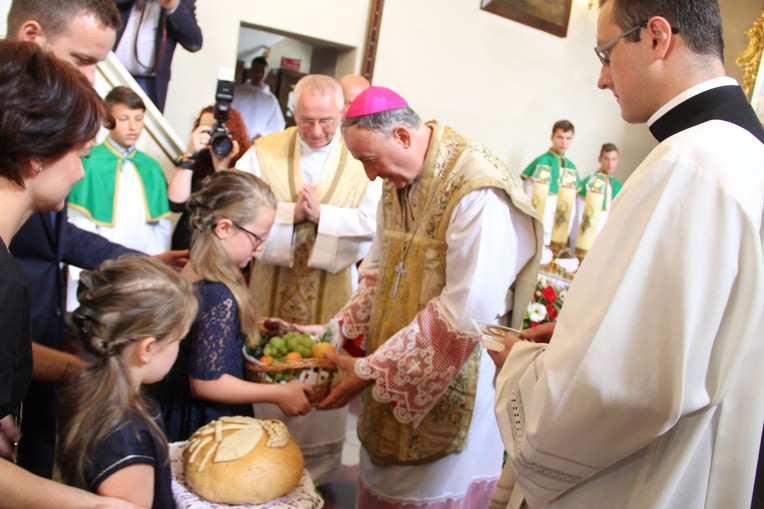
(649, 393)
(325, 220)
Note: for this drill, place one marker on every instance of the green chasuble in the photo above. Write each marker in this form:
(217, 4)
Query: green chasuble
(552, 160)
(96, 194)
(615, 187)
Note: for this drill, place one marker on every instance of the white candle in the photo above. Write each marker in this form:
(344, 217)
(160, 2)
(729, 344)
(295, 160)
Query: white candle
(565, 198)
(538, 197)
(590, 220)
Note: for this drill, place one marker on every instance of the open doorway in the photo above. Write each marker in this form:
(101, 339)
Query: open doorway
(290, 56)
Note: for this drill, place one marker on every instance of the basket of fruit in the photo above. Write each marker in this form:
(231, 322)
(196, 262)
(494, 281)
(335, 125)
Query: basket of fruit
(281, 354)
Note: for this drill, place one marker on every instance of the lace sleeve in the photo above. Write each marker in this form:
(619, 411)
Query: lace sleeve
(216, 327)
(352, 321)
(413, 368)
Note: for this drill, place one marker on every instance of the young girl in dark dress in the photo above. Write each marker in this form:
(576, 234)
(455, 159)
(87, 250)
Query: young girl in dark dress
(133, 312)
(231, 216)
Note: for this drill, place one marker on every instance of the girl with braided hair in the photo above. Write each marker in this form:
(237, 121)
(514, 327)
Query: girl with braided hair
(231, 216)
(133, 313)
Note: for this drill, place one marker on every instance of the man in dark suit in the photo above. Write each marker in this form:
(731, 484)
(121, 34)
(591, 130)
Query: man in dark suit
(81, 32)
(146, 42)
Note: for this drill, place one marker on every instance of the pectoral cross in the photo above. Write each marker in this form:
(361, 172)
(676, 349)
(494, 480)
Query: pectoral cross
(400, 273)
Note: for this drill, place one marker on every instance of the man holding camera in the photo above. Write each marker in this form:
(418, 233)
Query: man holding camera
(325, 220)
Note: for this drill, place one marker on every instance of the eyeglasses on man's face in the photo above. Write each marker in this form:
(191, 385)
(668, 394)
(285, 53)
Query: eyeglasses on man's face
(324, 123)
(603, 50)
(258, 238)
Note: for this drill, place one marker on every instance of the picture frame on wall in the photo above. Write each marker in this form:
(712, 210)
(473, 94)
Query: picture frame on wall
(551, 16)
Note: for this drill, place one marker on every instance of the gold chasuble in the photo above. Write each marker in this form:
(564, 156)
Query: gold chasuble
(300, 293)
(413, 271)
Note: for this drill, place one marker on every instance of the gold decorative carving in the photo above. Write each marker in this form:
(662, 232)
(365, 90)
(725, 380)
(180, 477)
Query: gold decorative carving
(750, 59)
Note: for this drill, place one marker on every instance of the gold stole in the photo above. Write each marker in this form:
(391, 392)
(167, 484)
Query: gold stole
(453, 167)
(302, 294)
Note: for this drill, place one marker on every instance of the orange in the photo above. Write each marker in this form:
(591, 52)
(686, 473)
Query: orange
(293, 356)
(319, 349)
(266, 359)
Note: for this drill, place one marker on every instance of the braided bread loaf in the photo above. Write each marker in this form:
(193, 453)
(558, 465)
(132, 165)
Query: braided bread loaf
(241, 460)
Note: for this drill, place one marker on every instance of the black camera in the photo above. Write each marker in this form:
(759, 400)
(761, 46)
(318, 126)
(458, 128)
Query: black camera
(221, 141)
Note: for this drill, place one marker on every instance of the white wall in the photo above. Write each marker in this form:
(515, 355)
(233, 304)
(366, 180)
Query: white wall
(494, 80)
(194, 74)
(4, 6)
(501, 82)
(292, 49)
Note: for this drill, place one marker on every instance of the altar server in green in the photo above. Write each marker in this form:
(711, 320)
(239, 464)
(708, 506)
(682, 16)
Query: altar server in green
(562, 137)
(608, 163)
(123, 196)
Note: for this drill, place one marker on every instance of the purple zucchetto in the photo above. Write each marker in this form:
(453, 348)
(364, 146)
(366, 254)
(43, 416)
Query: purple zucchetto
(375, 100)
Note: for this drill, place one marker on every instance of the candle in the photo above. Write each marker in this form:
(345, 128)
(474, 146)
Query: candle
(538, 196)
(565, 197)
(589, 220)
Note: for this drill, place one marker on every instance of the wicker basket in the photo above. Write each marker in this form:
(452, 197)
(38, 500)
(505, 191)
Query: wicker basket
(318, 373)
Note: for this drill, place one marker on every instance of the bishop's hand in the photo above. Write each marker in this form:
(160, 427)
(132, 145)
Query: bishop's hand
(349, 387)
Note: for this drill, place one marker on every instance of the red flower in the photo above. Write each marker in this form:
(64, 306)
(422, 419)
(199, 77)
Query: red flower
(549, 294)
(551, 311)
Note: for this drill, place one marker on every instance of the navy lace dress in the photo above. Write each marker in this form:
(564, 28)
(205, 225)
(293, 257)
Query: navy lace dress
(212, 349)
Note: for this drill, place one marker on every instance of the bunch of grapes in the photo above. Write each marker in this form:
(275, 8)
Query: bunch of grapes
(280, 348)
(272, 328)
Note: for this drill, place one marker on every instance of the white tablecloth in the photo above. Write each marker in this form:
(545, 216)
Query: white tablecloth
(304, 495)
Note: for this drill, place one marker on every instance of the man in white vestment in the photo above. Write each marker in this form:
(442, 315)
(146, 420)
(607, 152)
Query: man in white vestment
(325, 220)
(649, 394)
(256, 103)
(457, 239)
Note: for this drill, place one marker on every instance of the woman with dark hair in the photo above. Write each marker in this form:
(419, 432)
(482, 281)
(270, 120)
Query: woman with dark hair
(198, 162)
(48, 116)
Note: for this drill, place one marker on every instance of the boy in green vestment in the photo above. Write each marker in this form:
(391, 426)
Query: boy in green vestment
(608, 163)
(123, 196)
(562, 136)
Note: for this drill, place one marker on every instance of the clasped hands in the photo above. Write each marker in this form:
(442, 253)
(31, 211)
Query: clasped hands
(308, 206)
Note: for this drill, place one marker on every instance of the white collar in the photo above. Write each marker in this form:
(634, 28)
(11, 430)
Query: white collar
(119, 148)
(691, 92)
(305, 149)
(262, 87)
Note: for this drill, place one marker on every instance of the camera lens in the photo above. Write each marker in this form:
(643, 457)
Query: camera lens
(221, 142)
